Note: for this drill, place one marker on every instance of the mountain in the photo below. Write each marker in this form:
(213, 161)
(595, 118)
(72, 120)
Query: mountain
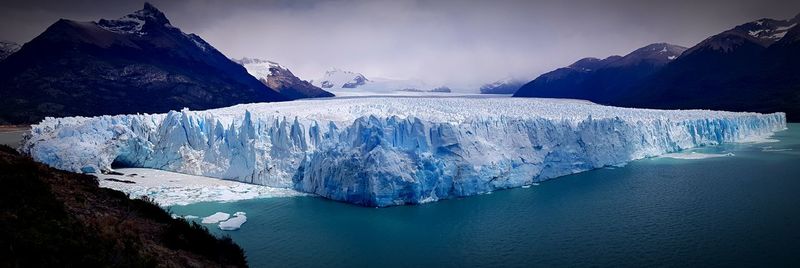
(7, 48)
(505, 86)
(139, 63)
(280, 79)
(337, 78)
(752, 67)
(600, 80)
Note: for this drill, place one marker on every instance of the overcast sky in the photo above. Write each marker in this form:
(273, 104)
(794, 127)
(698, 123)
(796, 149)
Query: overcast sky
(458, 43)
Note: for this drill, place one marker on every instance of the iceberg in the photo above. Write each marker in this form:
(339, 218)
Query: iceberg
(216, 217)
(234, 223)
(384, 151)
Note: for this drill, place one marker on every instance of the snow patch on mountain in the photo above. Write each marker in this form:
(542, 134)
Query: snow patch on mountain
(281, 79)
(763, 32)
(388, 151)
(8, 48)
(134, 23)
(259, 68)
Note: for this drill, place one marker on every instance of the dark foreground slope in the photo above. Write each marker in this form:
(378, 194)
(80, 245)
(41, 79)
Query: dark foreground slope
(139, 63)
(52, 218)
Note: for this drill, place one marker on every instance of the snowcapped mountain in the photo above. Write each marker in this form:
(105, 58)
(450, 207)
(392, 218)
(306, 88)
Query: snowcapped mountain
(600, 79)
(138, 63)
(281, 79)
(751, 67)
(762, 33)
(504, 86)
(658, 54)
(337, 78)
(7, 48)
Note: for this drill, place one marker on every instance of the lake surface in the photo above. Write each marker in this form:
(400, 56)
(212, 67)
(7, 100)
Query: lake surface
(740, 210)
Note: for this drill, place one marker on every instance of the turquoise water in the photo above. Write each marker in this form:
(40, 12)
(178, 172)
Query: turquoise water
(741, 210)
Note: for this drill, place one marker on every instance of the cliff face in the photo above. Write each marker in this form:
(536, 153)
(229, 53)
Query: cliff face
(51, 218)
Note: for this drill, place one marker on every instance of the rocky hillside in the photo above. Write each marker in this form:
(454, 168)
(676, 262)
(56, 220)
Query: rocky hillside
(52, 218)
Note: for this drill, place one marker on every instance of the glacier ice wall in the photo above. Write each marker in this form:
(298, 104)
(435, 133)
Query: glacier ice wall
(388, 151)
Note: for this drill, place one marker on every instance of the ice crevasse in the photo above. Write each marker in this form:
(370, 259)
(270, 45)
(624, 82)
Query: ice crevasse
(388, 151)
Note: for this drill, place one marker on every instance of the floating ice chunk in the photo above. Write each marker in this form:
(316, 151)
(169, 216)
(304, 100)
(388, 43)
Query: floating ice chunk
(233, 223)
(187, 217)
(216, 217)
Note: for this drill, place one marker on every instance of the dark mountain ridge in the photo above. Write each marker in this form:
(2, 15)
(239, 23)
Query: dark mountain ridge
(599, 80)
(751, 67)
(139, 63)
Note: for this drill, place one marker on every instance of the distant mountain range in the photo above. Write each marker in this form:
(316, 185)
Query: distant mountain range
(752, 67)
(344, 82)
(504, 86)
(139, 63)
(337, 78)
(280, 79)
(442, 89)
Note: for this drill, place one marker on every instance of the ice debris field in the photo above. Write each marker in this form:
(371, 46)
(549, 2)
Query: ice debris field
(389, 150)
(169, 188)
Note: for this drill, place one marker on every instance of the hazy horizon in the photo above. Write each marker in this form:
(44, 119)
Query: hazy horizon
(456, 43)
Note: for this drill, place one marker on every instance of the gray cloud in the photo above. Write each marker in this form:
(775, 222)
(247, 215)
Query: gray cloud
(461, 43)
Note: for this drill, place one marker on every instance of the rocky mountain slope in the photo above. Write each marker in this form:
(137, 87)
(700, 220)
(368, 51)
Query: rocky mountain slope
(139, 63)
(599, 80)
(751, 67)
(7, 48)
(281, 79)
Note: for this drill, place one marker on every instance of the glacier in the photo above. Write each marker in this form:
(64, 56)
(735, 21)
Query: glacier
(384, 151)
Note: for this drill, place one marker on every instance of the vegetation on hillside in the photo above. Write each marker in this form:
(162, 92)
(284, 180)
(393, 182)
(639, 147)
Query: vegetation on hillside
(52, 218)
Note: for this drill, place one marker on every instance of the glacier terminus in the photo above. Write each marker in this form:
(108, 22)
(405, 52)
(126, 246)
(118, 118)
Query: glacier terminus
(384, 151)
